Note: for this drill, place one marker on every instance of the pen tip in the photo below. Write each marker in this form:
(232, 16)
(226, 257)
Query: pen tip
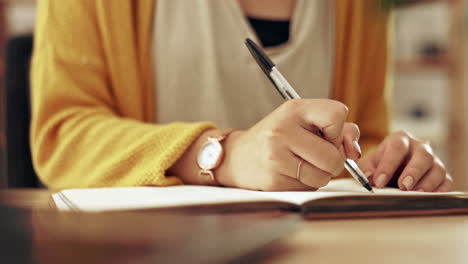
(369, 188)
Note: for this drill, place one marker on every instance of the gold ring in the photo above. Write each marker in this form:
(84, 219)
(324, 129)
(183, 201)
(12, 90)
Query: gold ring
(298, 172)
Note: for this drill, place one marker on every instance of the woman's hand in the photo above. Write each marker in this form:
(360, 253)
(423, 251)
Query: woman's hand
(267, 156)
(408, 162)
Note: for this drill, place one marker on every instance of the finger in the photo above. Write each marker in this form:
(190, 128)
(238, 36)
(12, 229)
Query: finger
(395, 152)
(328, 115)
(306, 173)
(369, 163)
(446, 185)
(315, 150)
(342, 151)
(285, 166)
(432, 179)
(286, 183)
(351, 136)
(421, 161)
(368, 166)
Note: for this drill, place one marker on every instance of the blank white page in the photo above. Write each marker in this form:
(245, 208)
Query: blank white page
(99, 199)
(103, 199)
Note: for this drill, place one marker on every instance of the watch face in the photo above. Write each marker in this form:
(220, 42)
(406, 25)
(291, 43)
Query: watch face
(210, 155)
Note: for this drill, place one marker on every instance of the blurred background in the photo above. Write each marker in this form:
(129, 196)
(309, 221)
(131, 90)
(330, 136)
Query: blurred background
(430, 59)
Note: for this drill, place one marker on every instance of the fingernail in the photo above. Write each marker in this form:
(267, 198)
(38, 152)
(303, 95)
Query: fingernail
(408, 182)
(357, 147)
(420, 190)
(380, 181)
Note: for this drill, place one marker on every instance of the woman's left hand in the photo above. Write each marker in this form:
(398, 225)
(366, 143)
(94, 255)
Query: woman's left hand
(408, 162)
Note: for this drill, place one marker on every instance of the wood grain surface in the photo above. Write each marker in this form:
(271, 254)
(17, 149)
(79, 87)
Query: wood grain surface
(229, 237)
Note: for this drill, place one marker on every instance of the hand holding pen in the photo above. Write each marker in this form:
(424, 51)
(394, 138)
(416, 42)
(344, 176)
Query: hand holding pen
(282, 152)
(285, 152)
(288, 93)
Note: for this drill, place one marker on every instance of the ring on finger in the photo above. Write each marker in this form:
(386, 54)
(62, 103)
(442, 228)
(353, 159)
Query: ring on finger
(299, 167)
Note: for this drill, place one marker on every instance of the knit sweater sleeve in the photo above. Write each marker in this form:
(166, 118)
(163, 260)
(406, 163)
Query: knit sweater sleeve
(79, 138)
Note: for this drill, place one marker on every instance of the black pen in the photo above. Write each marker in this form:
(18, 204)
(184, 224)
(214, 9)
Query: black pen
(286, 90)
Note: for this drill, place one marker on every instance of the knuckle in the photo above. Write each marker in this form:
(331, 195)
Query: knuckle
(272, 154)
(274, 134)
(427, 147)
(426, 155)
(339, 112)
(358, 131)
(342, 107)
(438, 162)
(426, 143)
(403, 133)
(399, 146)
(355, 127)
(292, 105)
(439, 168)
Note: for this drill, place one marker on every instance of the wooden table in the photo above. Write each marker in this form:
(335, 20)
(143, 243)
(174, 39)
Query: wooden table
(389, 240)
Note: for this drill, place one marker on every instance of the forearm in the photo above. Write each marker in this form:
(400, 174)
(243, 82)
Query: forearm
(91, 149)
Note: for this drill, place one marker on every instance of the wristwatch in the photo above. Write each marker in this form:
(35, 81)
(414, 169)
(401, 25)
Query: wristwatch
(211, 155)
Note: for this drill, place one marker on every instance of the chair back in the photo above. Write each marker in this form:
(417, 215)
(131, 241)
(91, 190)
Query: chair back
(19, 168)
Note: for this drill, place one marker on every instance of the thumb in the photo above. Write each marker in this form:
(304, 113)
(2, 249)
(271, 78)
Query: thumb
(351, 136)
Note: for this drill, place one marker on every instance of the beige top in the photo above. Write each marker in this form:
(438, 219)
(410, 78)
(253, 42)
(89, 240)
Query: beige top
(204, 71)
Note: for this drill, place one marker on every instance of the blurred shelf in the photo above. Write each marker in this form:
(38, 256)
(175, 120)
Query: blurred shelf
(443, 65)
(421, 2)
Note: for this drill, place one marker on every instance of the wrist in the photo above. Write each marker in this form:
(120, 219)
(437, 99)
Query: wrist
(187, 167)
(211, 155)
(225, 172)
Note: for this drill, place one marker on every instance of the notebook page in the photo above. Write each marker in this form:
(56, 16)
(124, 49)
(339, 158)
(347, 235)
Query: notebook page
(342, 187)
(104, 199)
(100, 199)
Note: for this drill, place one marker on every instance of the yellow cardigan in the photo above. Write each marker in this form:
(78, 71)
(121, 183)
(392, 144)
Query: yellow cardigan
(92, 91)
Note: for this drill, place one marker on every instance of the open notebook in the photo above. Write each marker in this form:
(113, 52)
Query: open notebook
(340, 198)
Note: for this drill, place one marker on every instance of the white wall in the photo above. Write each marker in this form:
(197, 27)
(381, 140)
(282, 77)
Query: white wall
(21, 18)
